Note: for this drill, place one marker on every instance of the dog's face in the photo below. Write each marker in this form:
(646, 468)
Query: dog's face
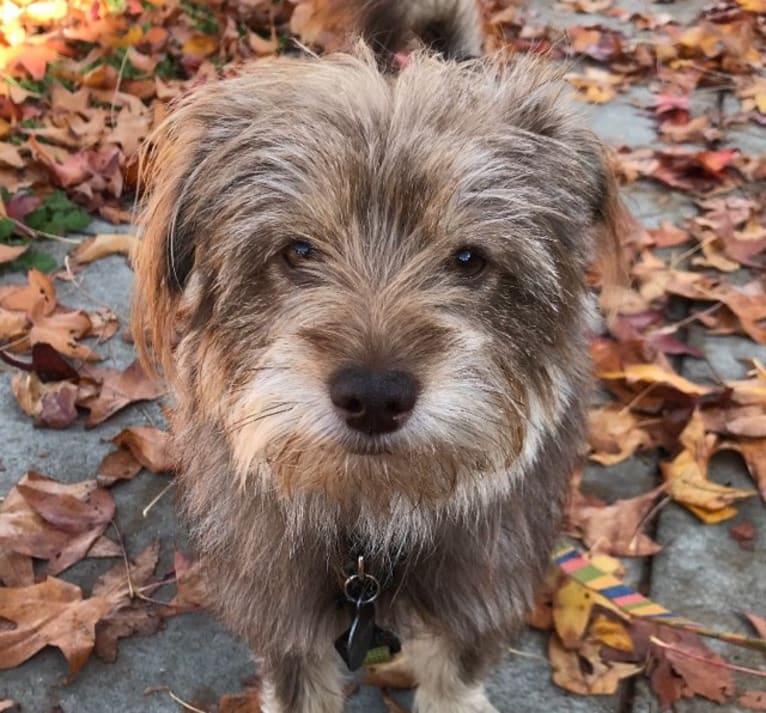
(377, 284)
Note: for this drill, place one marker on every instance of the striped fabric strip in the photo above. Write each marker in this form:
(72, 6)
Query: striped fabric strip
(575, 564)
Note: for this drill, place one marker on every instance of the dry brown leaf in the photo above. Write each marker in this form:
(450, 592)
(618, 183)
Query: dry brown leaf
(758, 623)
(118, 389)
(190, 587)
(615, 529)
(8, 253)
(753, 451)
(103, 245)
(148, 445)
(140, 446)
(51, 405)
(246, 701)
(753, 700)
(128, 615)
(16, 570)
(614, 434)
(584, 672)
(39, 290)
(52, 613)
(58, 522)
(116, 466)
(656, 374)
(12, 325)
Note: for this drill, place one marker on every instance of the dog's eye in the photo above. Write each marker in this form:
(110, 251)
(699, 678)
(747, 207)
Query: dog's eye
(469, 262)
(298, 252)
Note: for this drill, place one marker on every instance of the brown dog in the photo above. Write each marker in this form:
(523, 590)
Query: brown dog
(368, 295)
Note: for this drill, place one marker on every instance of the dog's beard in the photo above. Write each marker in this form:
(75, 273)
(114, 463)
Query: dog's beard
(469, 438)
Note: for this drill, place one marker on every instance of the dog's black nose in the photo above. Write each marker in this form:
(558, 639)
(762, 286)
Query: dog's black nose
(373, 400)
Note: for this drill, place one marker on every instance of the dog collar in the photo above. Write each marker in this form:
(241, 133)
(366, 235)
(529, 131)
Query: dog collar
(364, 642)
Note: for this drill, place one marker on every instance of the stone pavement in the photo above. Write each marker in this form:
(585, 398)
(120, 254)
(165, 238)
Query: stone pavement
(701, 572)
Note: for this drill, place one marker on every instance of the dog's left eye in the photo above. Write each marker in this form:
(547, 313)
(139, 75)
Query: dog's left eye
(469, 262)
(298, 252)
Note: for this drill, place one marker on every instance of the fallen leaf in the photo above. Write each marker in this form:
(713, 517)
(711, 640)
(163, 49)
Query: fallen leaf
(753, 451)
(103, 245)
(744, 533)
(657, 374)
(116, 466)
(62, 330)
(246, 701)
(687, 479)
(46, 363)
(16, 570)
(118, 390)
(614, 529)
(9, 253)
(758, 623)
(584, 672)
(191, 593)
(51, 405)
(129, 614)
(614, 434)
(52, 613)
(53, 521)
(753, 700)
(24, 298)
(148, 445)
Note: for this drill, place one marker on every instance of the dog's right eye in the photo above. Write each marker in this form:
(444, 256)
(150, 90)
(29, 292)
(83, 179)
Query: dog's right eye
(297, 252)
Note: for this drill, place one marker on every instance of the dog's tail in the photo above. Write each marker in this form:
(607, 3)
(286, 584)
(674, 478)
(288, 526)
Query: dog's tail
(391, 27)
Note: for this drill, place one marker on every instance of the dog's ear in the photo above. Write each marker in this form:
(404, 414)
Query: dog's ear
(166, 254)
(533, 94)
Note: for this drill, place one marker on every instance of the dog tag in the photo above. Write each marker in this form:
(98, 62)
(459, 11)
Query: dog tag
(353, 644)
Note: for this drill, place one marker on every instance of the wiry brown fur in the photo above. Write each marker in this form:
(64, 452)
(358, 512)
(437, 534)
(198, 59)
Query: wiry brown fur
(387, 178)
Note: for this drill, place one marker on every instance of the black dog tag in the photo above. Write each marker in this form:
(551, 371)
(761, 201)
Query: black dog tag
(354, 643)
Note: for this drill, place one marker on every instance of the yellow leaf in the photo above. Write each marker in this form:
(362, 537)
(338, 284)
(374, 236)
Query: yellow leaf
(103, 245)
(611, 633)
(656, 374)
(614, 434)
(712, 517)
(687, 476)
(597, 679)
(131, 37)
(200, 45)
(758, 6)
(572, 606)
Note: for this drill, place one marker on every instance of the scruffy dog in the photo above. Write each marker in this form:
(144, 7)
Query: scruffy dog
(367, 292)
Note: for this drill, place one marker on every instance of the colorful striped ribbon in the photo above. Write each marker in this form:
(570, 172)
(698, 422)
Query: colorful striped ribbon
(574, 563)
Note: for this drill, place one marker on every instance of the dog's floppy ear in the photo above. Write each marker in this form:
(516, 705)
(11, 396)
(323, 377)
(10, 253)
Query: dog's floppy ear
(165, 257)
(533, 94)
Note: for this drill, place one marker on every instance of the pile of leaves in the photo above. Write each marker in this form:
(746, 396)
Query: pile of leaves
(84, 83)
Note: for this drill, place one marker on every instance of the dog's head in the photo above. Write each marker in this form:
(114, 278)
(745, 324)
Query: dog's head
(374, 286)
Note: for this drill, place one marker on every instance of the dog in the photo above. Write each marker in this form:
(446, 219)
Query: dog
(367, 291)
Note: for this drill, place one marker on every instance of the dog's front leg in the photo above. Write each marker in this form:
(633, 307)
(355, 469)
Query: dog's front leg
(444, 683)
(302, 684)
